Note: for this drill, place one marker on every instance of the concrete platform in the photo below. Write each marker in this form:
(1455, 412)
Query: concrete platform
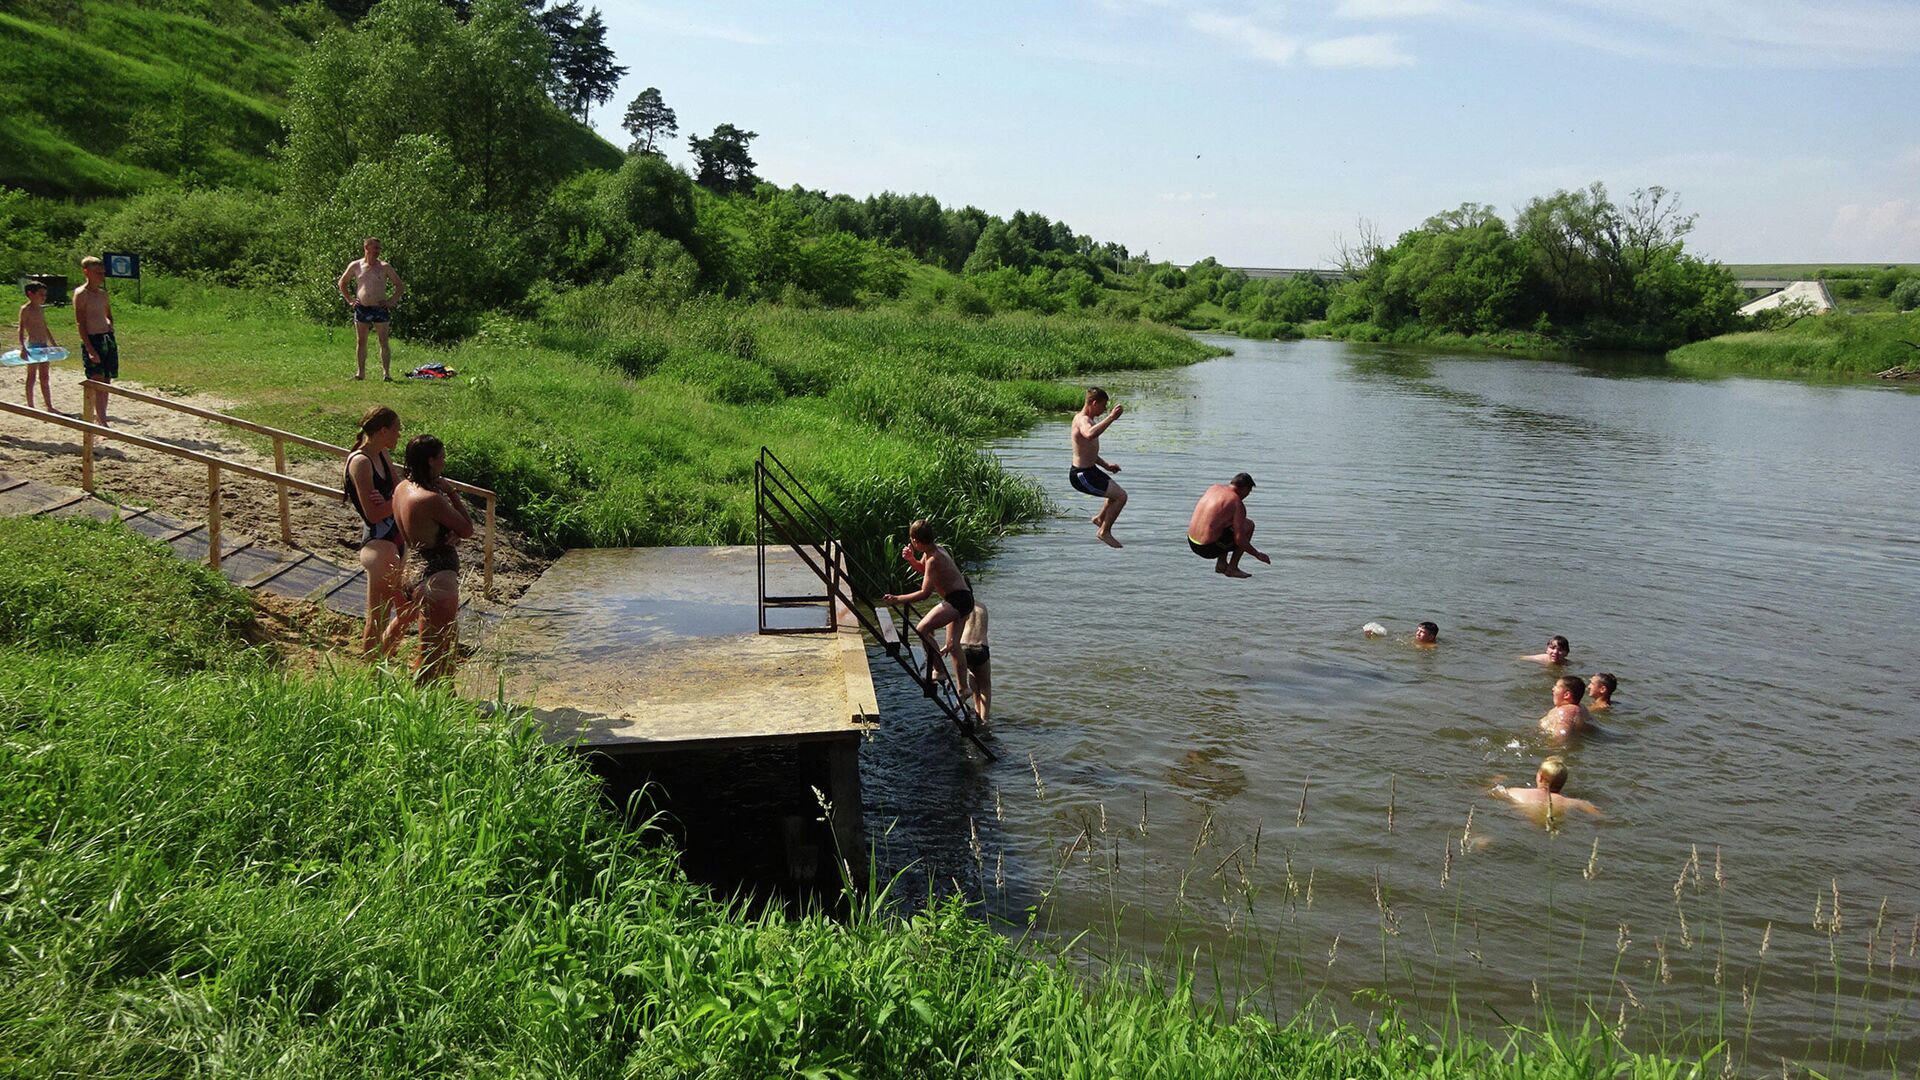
(641, 649)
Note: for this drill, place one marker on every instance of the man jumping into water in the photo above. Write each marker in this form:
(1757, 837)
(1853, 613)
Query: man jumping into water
(943, 576)
(1086, 475)
(1220, 529)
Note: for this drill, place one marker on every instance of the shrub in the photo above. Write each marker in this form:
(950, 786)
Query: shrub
(1848, 288)
(86, 585)
(1906, 295)
(456, 261)
(649, 194)
(230, 236)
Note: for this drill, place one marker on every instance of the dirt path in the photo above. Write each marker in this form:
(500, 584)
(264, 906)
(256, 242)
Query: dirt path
(139, 477)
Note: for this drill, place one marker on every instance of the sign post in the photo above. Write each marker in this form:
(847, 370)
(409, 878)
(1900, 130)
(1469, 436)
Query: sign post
(121, 264)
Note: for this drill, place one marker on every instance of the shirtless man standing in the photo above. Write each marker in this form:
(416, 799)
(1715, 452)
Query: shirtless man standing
(1220, 529)
(1568, 716)
(93, 314)
(943, 576)
(1086, 475)
(371, 288)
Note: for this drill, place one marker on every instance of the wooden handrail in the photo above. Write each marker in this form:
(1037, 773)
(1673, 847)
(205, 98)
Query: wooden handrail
(145, 443)
(280, 439)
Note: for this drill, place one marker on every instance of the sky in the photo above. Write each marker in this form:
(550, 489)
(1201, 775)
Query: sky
(1263, 134)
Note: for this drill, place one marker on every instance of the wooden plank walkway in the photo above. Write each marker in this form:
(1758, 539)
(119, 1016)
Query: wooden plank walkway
(292, 572)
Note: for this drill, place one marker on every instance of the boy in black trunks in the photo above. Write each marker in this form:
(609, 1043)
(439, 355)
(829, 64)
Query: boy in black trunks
(1089, 472)
(1220, 529)
(943, 576)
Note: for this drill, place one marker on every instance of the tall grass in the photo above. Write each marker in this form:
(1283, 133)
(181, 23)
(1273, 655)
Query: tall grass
(1824, 345)
(239, 872)
(609, 424)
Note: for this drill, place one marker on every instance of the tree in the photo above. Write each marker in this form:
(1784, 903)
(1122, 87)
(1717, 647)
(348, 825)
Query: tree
(413, 69)
(587, 72)
(649, 121)
(724, 165)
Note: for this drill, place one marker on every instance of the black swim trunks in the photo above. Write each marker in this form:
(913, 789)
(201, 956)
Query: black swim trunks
(1091, 480)
(961, 599)
(370, 313)
(1222, 545)
(108, 350)
(976, 655)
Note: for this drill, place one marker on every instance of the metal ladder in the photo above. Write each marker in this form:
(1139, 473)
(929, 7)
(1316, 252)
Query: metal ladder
(786, 514)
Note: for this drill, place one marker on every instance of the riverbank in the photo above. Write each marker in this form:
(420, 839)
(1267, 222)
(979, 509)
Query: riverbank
(607, 425)
(1823, 346)
(213, 859)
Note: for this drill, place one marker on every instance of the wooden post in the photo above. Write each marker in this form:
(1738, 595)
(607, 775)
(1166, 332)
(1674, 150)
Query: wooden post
(86, 438)
(280, 466)
(213, 516)
(486, 548)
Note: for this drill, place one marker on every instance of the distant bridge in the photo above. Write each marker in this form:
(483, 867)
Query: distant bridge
(1291, 272)
(1756, 285)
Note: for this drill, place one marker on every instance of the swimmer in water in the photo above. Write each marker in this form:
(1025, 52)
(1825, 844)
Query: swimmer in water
(1568, 716)
(1600, 690)
(1556, 655)
(1089, 471)
(941, 575)
(1220, 529)
(1427, 635)
(1543, 801)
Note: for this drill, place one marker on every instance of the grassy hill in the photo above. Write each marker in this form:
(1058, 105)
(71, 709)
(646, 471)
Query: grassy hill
(113, 96)
(1819, 346)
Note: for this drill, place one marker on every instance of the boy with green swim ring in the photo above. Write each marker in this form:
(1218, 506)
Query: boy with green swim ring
(36, 334)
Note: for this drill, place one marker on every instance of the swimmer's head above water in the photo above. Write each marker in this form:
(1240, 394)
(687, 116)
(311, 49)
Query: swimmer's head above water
(1427, 633)
(1558, 649)
(1568, 690)
(1552, 775)
(1600, 688)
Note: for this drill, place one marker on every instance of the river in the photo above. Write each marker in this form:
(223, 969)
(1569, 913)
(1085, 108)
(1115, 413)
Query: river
(1232, 766)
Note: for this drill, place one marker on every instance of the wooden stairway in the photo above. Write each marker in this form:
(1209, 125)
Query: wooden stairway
(291, 572)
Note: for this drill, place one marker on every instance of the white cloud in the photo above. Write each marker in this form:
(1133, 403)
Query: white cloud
(1397, 9)
(1874, 231)
(1358, 50)
(1247, 35)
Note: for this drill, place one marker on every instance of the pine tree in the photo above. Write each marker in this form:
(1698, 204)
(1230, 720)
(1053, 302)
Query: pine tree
(649, 121)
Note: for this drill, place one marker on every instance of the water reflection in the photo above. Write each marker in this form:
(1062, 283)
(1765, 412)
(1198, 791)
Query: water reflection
(1741, 553)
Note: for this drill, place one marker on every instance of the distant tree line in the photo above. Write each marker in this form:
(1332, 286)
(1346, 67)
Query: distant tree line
(441, 126)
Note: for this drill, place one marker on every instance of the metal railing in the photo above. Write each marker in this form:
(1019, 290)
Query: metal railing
(788, 513)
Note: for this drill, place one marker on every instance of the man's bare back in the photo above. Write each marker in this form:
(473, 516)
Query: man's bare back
(1219, 510)
(1564, 720)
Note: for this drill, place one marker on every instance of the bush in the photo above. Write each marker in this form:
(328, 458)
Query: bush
(88, 586)
(1848, 288)
(456, 261)
(649, 194)
(230, 236)
(1906, 295)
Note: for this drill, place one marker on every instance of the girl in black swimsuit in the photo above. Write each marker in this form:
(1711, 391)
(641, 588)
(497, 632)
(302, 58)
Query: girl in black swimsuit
(369, 486)
(433, 519)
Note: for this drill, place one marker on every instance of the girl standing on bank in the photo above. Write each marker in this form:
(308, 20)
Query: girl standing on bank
(370, 482)
(433, 519)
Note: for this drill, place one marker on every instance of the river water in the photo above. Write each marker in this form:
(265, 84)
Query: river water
(1230, 766)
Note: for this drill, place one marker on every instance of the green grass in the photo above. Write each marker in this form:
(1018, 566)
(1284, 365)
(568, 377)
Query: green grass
(85, 586)
(70, 91)
(607, 425)
(233, 871)
(1817, 346)
(76, 78)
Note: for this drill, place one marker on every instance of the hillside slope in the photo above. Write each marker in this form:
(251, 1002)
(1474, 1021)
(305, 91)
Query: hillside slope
(111, 97)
